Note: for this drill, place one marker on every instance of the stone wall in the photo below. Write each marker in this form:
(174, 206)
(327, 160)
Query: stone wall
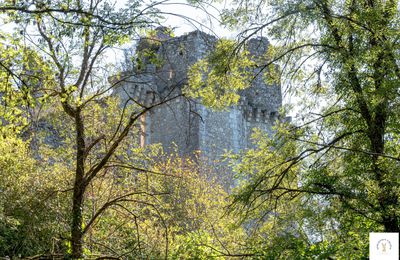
(187, 124)
(175, 126)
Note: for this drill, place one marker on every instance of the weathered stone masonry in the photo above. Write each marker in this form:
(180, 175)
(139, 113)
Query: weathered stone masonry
(189, 124)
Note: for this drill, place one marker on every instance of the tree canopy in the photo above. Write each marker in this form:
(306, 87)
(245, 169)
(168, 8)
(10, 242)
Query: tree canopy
(329, 178)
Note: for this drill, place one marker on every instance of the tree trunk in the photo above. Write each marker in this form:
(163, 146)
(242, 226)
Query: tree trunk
(79, 190)
(388, 198)
(77, 220)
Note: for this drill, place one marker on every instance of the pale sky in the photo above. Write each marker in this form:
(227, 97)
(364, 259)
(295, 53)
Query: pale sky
(185, 18)
(206, 19)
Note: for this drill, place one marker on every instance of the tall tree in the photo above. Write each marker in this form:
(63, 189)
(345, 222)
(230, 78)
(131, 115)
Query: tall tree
(73, 37)
(342, 59)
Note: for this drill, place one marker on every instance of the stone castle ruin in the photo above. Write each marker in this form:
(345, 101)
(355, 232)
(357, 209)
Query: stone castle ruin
(187, 124)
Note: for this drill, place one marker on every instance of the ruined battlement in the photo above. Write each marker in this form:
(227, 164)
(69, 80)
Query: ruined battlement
(153, 82)
(187, 124)
(147, 96)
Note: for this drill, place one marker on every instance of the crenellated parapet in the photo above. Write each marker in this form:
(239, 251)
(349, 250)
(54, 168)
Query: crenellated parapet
(254, 113)
(188, 124)
(175, 55)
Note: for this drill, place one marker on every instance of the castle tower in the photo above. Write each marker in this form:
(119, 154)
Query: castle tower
(187, 124)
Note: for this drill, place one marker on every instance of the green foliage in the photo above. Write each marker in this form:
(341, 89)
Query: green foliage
(72, 38)
(30, 206)
(19, 83)
(337, 165)
(59, 123)
(193, 246)
(158, 208)
(148, 46)
(313, 190)
(218, 78)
